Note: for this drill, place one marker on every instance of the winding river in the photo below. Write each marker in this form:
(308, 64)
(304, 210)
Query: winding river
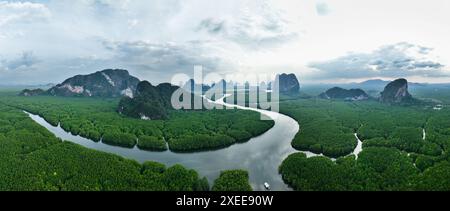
(260, 156)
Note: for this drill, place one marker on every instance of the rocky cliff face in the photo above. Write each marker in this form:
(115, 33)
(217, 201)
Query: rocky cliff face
(288, 84)
(154, 102)
(340, 93)
(106, 83)
(31, 92)
(149, 102)
(396, 92)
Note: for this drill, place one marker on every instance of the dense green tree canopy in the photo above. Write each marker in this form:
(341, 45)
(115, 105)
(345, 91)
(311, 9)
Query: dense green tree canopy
(97, 119)
(396, 154)
(31, 158)
(232, 180)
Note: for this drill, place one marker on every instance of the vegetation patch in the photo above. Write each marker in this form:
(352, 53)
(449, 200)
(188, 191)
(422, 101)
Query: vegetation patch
(397, 154)
(32, 158)
(119, 139)
(232, 180)
(184, 131)
(152, 143)
(376, 169)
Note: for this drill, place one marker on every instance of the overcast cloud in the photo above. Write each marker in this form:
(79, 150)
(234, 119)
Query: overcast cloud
(22, 12)
(397, 60)
(255, 27)
(43, 41)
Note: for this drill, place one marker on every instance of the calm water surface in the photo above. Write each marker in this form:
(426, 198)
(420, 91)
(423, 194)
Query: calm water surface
(260, 156)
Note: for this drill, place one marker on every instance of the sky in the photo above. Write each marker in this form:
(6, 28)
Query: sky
(321, 41)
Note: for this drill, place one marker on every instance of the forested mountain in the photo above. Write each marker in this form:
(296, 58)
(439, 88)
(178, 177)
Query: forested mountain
(106, 83)
(288, 84)
(340, 93)
(396, 92)
(149, 102)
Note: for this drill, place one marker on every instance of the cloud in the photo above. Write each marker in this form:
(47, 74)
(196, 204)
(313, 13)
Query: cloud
(19, 69)
(158, 37)
(397, 60)
(322, 8)
(257, 27)
(26, 61)
(22, 12)
(114, 4)
(212, 26)
(166, 59)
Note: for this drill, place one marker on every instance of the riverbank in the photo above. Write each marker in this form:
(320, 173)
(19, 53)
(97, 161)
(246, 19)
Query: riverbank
(260, 156)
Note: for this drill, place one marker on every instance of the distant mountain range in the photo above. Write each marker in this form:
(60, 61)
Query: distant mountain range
(395, 92)
(143, 100)
(140, 99)
(379, 84)
(288, 85)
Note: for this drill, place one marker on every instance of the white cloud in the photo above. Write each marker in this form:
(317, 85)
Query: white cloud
(166, 59)
(397, 60)
(155, 38)
(22, 12)
(25, 61)
(254, 26)
(152, 38)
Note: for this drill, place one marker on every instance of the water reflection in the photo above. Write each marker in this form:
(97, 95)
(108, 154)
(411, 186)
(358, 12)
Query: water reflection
(260, 156)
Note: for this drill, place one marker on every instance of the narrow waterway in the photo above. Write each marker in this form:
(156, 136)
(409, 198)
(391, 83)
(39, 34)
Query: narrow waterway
(260, 156)
(424, 134)
(358, 148)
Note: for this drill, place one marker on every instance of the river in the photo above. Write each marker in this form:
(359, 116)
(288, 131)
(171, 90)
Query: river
(260, 156)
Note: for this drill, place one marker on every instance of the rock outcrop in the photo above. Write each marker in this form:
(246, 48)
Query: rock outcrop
(288, 84)
(31, 92)
(345, 94)
(106, 83)
(396, 92)
(149, 102)
(154, 102)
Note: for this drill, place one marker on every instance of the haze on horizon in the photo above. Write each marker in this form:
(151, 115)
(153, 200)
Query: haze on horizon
(47, 41)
